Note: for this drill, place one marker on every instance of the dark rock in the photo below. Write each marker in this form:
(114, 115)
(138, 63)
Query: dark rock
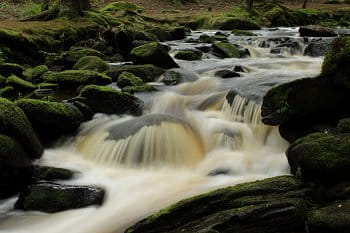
(70, 57)
(244, 53)
(51, 198)
(344, 125)
(205, 38)
(147, 73)
(171, 78)
(189, 55)
(318, 48)
(231, 23)
(219, 171)
(204, 49)
(225, 50)
(239, 68)
(227, 74)
(139, 88)
(7, 69)
(316, 31)
(51, 173)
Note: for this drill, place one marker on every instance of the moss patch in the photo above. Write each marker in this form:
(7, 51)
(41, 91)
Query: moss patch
(77, 77)
(91, 63)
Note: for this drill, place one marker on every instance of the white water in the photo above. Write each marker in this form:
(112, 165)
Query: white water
(153, 164)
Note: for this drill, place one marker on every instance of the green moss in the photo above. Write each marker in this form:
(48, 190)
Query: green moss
(91, 63)
(189, 55)
(230, 23)
(103, 19)
(77, 77)
(140, 88)
(12, 153)
(147, 73)
(20, 84)
(47, 85)
(223, 49)
(128, 79)
(34, 74)
(70, 57)
(122, 5)
(205, 38)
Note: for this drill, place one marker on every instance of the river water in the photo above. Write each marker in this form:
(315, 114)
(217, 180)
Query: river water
(189, 140)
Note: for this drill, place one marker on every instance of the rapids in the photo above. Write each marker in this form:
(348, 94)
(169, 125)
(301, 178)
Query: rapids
(191, 139)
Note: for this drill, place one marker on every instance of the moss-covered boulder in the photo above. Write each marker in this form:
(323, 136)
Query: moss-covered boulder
(51, 198)
(334, 218)
(122, 6)
(91, 63)
(271, 205)
(128, 79)
(147, 73)
(70, 57)
(77, 78)
(205, 38)
(20, 84)
(171, 78)
(153, 53)
(51, 120)
(139, 88)
(34, 74)
(110, 101)
(189, 55)
(225, 50)
(344, 125)
(316, 31)
(14, 123)
(7, 69)
(231, 23)
(321, 157)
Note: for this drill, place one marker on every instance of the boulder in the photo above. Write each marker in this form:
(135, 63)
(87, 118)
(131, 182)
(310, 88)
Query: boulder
(34, 74)
(20, 84)
(51, 120)
(76, 78)
(139, 88)
(227, 74)
(110, 101)
(92, 63)
(51, 198)
(14, 123)
(8, 93)
(147, 73)
(51, 173)
(318, 48)
(231, 23)
(316, 31)
(70, 57)
(322, 158)
(152, 53)
(7, 69)
(189, 55)
(128, 79)
(225, 50)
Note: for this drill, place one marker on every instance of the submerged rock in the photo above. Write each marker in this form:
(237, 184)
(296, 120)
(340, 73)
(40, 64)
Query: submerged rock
(51, 198)
(153, 53)
(227, 74)
(92, 63)
(316, 31)
(147, 73)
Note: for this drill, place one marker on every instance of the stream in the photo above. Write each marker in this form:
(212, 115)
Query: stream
(191, 139)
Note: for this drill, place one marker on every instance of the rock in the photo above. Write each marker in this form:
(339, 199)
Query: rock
(225, 50)
(316, 31)
(8, 93)
(92, 63)
(189, 55)
(242, 33)
(334, 218)
(14, 123)
(14, 166)
(140, 88)
(51, 198)
(318, 48)
(84, 109)
(152, 53)
(171, 78)
(242, 69)
(76, 78)
(231, 23)
(344, 125)
(70, 57)
(51, 120)
(7, 69)
(227, 74)
(205, 38)
(51, 173)
(20, 84)
(220, 38)
(128, 79)
(219, 171)
(244, 52)
(177, 33)
(110, 101)
(204, 49)
(122, 6)
(321, 158)
(34, 74)
(271, 205)
(148, 73)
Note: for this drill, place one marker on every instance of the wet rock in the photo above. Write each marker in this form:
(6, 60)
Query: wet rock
(243, 53)
(321, 158)
(227, 74)
(219, 171)
(110, 101)
(344, 125)
(205, 38)
(225, 50)
(189, 55)
(70, 57)
(51, 198)
(316, 31)
(51, 120)
(92, 63)
(242, 33)
(204, 49)
(147, 73)
(318, 48)
(272, 205)
(128, 79)
(139, 88)
(171, 78)
(83, 108)
(152, 53)
(240, 68)
(51, 173)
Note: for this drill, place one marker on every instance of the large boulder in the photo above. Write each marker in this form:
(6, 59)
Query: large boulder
(51, 198)
(147, 73)
(271, 205)
(189, 55)
(34, 74)
(231, 23)
(14, 123)
(92, 63)
(316, 31)
(110, 101)
(153, 53)
(51, 120)
(70, 57)
(225, 50)
(321, 158)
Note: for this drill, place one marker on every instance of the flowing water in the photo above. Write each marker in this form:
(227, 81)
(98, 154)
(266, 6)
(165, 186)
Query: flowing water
(191, 139)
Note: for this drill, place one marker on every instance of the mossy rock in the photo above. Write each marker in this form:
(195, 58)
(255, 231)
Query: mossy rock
(275, 204)
(225, 50)
(205, 38)
(122, 6)
(34, 74)
(128, 79)
(70, 57)
(334, 218)
(335, 65)
(47, 85)
(148, 72)
(20, 84)
(7, 69)
(76, 78)
(110, 101)
(171, 78)
(139, 88)
(153, 53)
(14, 123)
(92, 63)
(231, 23)
(189, 55)
(316, 31)
(321, 158)
(242, 33)
(8, 93)
(51, 120)
(51, 173)
(344, 125)
(161, 33)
